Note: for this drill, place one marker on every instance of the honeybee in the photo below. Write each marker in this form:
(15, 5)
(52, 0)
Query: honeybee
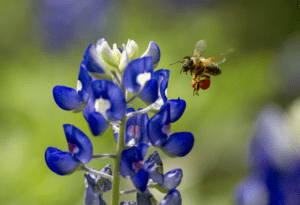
(200, 66)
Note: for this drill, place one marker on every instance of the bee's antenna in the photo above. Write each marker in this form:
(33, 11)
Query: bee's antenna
(176, 62)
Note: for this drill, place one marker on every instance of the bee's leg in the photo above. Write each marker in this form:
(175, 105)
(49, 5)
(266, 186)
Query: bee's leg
(196, 88)
(197, 78)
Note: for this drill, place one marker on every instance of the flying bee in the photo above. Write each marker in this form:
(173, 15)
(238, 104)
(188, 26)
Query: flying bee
(200, 66)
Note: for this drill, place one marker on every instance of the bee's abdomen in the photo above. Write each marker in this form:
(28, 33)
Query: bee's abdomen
(213, 69)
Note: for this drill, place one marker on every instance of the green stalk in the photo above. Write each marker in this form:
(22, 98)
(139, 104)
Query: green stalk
(116, 173)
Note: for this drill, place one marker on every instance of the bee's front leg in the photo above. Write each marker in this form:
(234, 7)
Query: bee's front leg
(195, 84)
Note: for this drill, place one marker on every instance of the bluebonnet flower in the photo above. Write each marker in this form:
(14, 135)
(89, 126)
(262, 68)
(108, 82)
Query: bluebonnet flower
(80, 152)
(274, 163)
(132, 166)
(96, 187)
(154, 166)
(107, 104)
(70, 99)
(158, 128)
(138, 78)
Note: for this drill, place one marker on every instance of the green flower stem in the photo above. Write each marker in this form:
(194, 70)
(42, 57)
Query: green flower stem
(104, 156)
(116, 172)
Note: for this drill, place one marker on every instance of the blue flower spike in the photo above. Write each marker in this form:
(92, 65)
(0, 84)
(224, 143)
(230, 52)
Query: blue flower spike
(70, 99)
(80, 152)
(153, 51)
(138, 79)
(109, 105)
(105, 77)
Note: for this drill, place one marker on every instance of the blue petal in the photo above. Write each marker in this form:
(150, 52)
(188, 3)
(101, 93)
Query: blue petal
(172, 198)
(154, 166)
(109, 91)
(179, 144)
(133, 69)
(162, 77)
(142, 149)
(93, 61)
(177, 108)
(61, 162)
(140, 180)
(67, 98)
(149, 93)
(142, 121)
(89, 108)
(128, 157)
(155, 126)
(172, 179)
(97, 123)
(78, 138)
(153, 51)
(91, 198)
(85, 79)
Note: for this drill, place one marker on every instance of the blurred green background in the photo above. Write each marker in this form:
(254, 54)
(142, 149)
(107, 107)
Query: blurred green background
(34, 58)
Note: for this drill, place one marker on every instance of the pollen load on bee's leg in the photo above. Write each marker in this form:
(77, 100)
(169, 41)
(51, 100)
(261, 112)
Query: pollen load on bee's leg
(204, 84)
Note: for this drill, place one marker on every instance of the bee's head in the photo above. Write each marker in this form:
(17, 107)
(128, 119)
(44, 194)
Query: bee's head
(186, 64)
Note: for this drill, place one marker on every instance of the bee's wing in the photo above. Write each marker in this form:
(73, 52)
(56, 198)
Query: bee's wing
(200, 47)
(221, 54)
(221, 61)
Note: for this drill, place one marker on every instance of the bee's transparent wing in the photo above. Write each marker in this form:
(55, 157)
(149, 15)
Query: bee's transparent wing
(200, 47)
(221, 61)
(221, 54)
